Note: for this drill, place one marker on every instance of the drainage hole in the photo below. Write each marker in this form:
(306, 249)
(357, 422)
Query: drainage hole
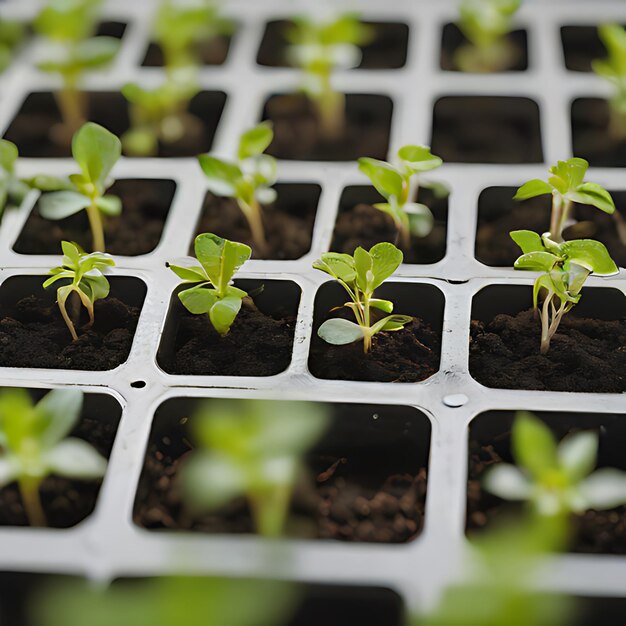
(138, 384)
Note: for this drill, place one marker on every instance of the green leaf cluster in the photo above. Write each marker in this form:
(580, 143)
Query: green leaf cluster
(613, 68)
(12, 189)
(158, 114)
(360, 275)
(69, 25)
(484, 22)
(188, 600)
(251, 448)
(556, 478)
(180, 27)
(87, 281)
(214, 294)
(393, 182)
(12, 34)
(96, 151)
(34, 442)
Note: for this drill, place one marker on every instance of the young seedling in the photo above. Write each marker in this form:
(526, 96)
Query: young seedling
(486, 24)
(165, 601)
(12, 34)
(181, 27)
(71, 51)
(557, 479)
(96, 151)
(160, 115)
(360, 275)
(254, 449)
(565, 268)
(34, 444)
(12, 189)
(613, 69)
(249, 180)
(566, 185)
(87, 282)
(393, 182)
(319, 48)
(214, 296)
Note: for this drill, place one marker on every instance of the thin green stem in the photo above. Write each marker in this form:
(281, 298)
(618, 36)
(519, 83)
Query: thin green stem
(252, 213)
(270, 508)
(367, 337)
(560, 214)
(96, 226)
(29, 490)
(545, 324)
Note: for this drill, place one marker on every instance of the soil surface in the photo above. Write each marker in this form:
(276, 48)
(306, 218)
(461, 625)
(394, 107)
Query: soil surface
(297, 131)
(363, 225)
(256, 345)
(453, 39)
(499, 214)
(487, 129)
(586, 355)
(288, 223)
(387, 50)
(35, 335)
(145, 205)
(590, 136)
(30, 129)
(65, 502)
(596, 532)
(211, 52)
(404, 356)
(339, 503)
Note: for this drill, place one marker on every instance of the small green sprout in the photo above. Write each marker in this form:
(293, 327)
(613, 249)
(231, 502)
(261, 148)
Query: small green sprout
(251, 448)
(165, 601)
(393, 182)
(318, 48)
(214, 296)
(486, 24)
(12, 189)
(34, 444)
(160, 115)
(556, 479)
(96, 151)
(566, 185)
(565, 268)
(360, 275)
(12, 34)
(613, 69)
(72, 51)
(180, 27)
(249, 180)
(87, 281)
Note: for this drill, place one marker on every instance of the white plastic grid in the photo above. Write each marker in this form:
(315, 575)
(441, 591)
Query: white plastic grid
(108, 545)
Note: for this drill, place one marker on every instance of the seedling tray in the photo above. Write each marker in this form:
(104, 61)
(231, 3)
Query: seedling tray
(108, 545)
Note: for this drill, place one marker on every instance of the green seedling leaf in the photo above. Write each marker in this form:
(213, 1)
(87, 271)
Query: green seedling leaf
(528, 241)
(251, 449)
(338, 265)
(96, 52)
(109, 205)
(96, 150)
(534, 447)
(58, 205)
(386, 180)
(419, 158)
(421, 219)
(223, 178)
(591, 254)
(532, 189)
(340, 332)
(536, 261)
(255, 141)
(33, 444)
(578, 453)
(593, 195)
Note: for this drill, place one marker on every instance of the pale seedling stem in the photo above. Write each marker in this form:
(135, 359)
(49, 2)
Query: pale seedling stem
(252, 212)
(560, 213)
(29, 490)
(97, 228)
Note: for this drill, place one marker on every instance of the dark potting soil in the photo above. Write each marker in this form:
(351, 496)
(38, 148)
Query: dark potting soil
(288, 222)
(360, 224)
(487, 129)
(297, 132)
(404, 356)
(256, 345)
(387, 50)
(581, 45)
(586, 355)
(211, 52)
(499, 214)
(596, 532)
(453, 38)
(34, 334)
(338, 504)
(65, 502)
(136, 231)
(590, 136)
(30, 129)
